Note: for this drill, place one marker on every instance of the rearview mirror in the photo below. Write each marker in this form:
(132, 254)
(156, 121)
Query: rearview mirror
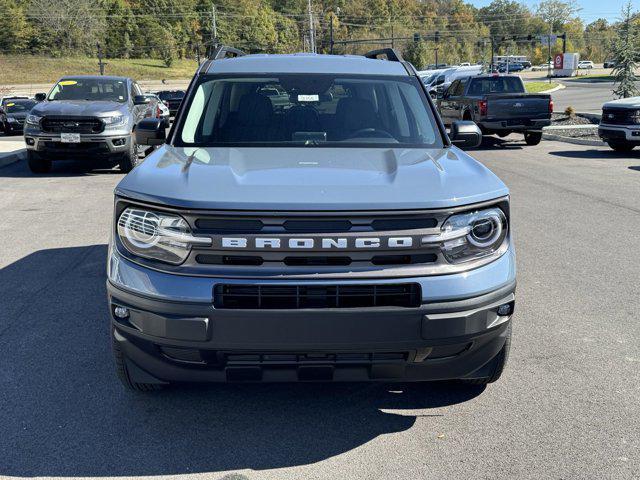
(150, 131)
(465, 134)
(40, 97)
(140, 100)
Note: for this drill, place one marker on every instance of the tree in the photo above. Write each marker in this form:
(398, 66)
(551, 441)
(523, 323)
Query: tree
(418, 54)
(14, 29)
(625, 51)
(556, 13)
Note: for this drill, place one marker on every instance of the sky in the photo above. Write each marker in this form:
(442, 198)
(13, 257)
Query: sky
(591, 9)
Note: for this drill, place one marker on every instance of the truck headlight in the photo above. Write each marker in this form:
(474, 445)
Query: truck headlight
(33, 119)
(473, 235)
(157, 235)
(113, 121)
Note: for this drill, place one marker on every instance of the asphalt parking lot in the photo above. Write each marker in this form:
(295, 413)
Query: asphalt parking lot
(566, 408)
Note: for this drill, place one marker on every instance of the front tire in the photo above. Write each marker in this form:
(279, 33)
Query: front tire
(37, 163)
(500, 361)
(532, 138)
(123, 372)
(130, 158)
(620, 145)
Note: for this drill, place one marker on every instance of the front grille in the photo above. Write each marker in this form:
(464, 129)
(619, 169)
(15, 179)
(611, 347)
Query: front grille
(59, 124)
(288, 297)
(618, 116)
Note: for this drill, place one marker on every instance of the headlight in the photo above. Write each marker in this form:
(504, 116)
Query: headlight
(635, 116)
(33, 119)
(115, 120)
(157, 235)
(11, 120)
(470, 236)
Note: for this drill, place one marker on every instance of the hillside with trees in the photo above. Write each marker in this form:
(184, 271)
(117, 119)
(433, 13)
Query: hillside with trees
(175, 29)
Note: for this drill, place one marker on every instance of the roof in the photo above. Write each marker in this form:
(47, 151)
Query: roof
(96, 77)
(306, 63)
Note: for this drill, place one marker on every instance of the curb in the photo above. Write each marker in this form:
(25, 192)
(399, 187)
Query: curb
(554, 89)
(575, 141)
(12, 157)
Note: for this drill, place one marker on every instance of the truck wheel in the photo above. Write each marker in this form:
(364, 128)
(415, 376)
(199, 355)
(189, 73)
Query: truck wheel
(130, 158)
(500, 361)
(620, 145)
(532, 138)
(123, 373)
(38, 164)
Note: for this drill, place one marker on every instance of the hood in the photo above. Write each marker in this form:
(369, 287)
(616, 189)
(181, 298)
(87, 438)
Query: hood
(312, 178)
(79, 108)
(631, 102)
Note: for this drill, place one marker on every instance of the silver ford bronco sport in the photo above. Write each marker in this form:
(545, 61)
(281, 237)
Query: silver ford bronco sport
(307, 218)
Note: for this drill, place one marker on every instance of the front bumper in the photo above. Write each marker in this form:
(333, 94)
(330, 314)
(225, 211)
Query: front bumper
(103, 144)
(173, 333)
(621, 133)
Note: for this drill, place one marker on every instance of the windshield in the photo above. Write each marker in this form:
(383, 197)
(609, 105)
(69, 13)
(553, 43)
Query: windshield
(171, 95)
(19, 106)
(309, 109)
(482, 86)
(92, 89)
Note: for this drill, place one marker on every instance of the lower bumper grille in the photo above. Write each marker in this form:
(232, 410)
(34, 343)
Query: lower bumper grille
(255, 297)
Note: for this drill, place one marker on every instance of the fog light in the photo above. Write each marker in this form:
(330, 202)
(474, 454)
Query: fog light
(119, 141)
(504, 310)
(30, 141)
(121, 312)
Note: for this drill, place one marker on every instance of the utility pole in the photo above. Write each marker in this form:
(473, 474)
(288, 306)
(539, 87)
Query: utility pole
(100, 63)
(312, 33)
(214, 28)
(436, 51)
(331, 35)
(549, 61)
(198, 53)
(492, 50)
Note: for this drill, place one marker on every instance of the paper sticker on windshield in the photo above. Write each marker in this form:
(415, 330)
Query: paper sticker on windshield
(10, 104)
(308, 98)
(68, 82)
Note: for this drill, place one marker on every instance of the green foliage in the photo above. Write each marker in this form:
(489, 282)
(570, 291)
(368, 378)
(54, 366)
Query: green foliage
(418, 54)
(625, 51)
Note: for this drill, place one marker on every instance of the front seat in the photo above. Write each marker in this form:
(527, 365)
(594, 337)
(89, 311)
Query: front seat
(254, 120)
(353, 114)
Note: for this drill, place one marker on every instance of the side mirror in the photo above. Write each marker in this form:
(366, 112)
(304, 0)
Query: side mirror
(140, 100)
(465, 134)
(150, 131)
(40, 97)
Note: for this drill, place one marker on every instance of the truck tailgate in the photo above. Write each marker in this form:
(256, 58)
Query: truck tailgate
(517, 106)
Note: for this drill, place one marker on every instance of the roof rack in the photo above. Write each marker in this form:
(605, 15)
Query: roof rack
(224, 51)
(387, 53)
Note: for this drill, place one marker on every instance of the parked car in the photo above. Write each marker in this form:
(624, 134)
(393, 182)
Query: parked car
(443, 79)
(585, 64)
(498, 104)
(11, 98)
(609, 64)
(620, 124)
(510, 68)
(13, 114)
(172, 99)
(88, 118)
(157, 108)
(542, 67)
(525, 64)
(243, 249)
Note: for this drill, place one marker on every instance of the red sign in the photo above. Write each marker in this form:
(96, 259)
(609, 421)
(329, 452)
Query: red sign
(558, 61)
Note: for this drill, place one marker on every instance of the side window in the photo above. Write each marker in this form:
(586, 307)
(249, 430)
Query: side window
(460, 90)
(453, 88)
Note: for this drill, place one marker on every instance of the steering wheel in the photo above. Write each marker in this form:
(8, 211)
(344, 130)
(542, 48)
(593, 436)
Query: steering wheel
(370, 132)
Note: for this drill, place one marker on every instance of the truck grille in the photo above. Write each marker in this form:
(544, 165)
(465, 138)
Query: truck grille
(263, 297)
(618, 116)
(58, 124)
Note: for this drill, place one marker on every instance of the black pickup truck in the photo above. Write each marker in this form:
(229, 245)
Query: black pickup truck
(498, 104)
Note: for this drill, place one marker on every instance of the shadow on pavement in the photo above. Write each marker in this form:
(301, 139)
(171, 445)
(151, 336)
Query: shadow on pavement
(64, 413)
(591, 153)
(494, 143)
(61, 168)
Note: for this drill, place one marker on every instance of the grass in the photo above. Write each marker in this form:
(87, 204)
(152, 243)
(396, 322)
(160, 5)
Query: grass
(537, 87)
(27, 69)
(593, 78)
